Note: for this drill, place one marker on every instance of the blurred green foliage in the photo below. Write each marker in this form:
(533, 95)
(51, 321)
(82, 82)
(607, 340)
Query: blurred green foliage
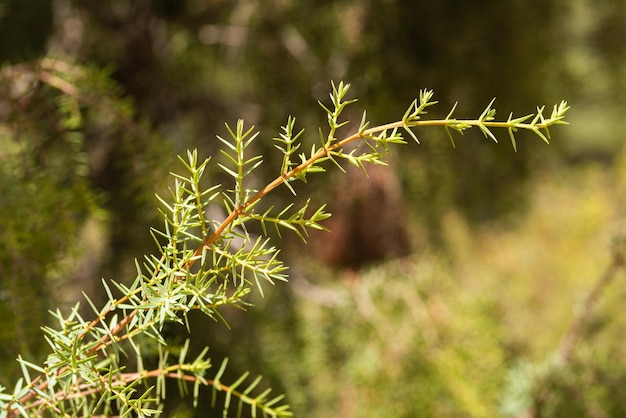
(44, 199)
(505, 245)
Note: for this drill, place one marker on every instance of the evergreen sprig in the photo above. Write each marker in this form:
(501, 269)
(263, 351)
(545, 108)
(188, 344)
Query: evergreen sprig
(485, 122)
(205, 265)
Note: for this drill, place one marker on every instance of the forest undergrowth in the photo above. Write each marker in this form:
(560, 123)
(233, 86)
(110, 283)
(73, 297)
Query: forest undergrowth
(515, 317)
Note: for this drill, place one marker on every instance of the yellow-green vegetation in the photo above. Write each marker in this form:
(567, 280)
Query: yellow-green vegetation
(479, 329)
(541, 266)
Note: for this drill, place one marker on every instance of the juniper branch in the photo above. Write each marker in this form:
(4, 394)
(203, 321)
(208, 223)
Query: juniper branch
(86, 353)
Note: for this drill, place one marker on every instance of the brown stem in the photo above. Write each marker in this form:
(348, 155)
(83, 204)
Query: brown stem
(575, 331)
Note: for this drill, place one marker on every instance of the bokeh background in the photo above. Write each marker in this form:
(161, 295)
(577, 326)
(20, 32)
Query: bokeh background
(450, 278)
